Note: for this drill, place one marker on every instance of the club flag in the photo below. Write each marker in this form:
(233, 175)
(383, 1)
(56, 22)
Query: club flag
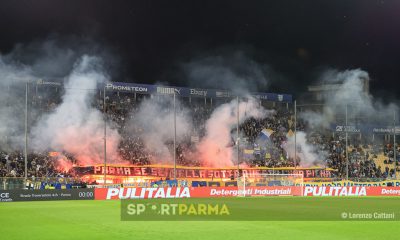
(248, 153)
(290, 133)
(290, 123)
(257, 150)
(266, 133)
(54, 154)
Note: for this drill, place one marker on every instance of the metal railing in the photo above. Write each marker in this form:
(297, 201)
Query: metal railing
(9, 183)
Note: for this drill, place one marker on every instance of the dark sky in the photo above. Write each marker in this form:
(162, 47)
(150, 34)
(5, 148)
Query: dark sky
(295, 38)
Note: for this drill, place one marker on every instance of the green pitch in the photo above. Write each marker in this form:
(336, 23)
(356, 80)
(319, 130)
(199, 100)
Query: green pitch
(101, 220)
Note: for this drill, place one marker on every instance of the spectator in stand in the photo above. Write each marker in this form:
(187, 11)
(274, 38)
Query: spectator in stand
(132, 148)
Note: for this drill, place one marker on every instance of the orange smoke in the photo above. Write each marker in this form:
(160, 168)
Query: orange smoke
(63, 165)
(214, 154)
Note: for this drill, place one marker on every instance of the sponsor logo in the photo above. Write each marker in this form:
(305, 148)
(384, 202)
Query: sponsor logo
(262, 97)
(390, 191)
(126, 88)
(280, 97)
(385, 130)
(339, 128)
(168, 90)
(219, 192)
(222, 94)
(335, 191)
(351, 129)
(42, 82)
(202, 93)
(5, 197)
(251, 192)
(132, 193)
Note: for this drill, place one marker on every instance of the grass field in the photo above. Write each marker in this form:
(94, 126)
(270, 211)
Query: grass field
(101, 220)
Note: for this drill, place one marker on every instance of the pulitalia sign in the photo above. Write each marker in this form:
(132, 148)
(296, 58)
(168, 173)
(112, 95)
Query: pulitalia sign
(208, 192)
(335, 191)
(356, 191)
(141, 193)
(192, 192)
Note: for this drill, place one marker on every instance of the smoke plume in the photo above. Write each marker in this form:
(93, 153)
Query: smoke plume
(76, 126)
(234, 71)
(342, 89)
(214, 149)
(347, 88)
(155, 118)
(50, 59)
(12, 103)
(307, 154)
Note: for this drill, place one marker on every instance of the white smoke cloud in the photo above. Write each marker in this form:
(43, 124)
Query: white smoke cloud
(237, 72)
(156, 119)
(213, 149)
(345, 89)
(13, 77)
(51, 59)
(75, 126)
(308, 155)
(349, 87)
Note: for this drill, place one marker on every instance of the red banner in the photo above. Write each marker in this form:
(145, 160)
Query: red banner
(206, 192)
(196, 172)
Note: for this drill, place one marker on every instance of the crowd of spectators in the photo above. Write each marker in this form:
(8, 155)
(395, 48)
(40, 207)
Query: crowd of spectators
(40, 164)
(361, 162)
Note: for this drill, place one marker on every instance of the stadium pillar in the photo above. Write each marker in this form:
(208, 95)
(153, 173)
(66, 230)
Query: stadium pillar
(295, 134)
(174, 134)
(394, 144)
(26, 133)
(105, 134)
(347, 151)
(237, 136)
